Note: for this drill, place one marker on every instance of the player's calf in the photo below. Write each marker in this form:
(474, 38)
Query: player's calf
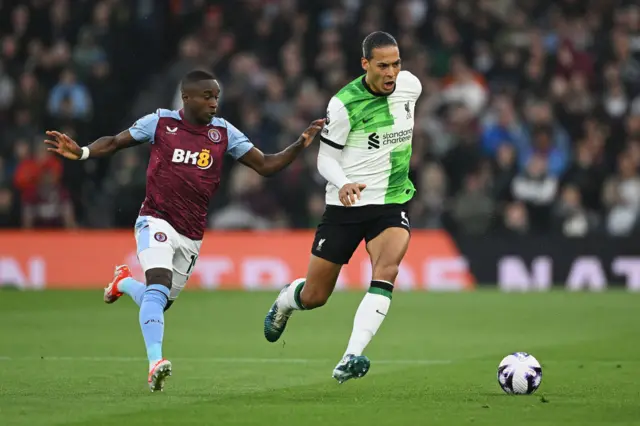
(385, 272)
(314, 297)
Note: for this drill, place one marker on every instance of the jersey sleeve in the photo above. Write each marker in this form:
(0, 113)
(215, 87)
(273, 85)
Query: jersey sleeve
(415, 85)
(144, 129)
(239, 144)
(337, 127)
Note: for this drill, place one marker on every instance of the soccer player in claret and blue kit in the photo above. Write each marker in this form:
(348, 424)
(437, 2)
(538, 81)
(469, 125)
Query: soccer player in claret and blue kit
(185, 167)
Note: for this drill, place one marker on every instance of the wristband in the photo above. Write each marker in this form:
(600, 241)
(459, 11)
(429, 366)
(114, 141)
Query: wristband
(85, 153)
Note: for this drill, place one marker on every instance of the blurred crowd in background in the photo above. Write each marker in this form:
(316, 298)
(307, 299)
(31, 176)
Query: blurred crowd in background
(529, 121)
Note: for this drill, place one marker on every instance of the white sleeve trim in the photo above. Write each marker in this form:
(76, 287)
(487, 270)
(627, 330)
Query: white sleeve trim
(329, 166)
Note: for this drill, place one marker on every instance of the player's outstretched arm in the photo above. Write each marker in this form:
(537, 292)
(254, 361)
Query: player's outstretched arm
(268, 164)
(63, 145)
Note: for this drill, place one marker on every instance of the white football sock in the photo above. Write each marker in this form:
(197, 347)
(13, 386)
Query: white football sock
(290, 299)
(369, 316)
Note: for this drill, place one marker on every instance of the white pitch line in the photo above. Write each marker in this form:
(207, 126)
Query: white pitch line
(222, 360)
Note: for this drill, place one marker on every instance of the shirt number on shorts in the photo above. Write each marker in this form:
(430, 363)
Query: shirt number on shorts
(192, 264)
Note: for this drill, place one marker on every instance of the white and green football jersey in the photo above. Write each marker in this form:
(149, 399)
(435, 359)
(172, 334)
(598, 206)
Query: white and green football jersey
(374, 133)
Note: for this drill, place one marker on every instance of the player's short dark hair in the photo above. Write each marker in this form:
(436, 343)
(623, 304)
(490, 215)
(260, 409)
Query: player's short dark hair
(195, 76)
(374, 40)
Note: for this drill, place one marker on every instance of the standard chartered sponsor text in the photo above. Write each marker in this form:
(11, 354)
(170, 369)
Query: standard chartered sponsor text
(397, 137)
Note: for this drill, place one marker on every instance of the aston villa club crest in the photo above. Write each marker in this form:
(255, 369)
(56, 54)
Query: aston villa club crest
(214, 135)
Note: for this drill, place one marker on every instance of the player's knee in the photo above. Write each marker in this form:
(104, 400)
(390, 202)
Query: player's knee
(160, 276)
(313, 298)
(385, 272)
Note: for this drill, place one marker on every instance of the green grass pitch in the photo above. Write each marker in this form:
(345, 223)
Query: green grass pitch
(66, 358)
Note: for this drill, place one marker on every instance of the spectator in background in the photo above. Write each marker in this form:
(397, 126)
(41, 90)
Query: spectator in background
(190, 57)
(571, 63)
(628, 65)
(9, 208)
(33, 161)
(26, 171)
(473, 208)
(10, 56)
(506, 76)
(69, 98)
(431, 199)
(105, 91)
(30, 96)
(536, 188)
(276, 105)
(585, 176)
(515, 220)
(7, 89)
(615, 100)
(502, 126)
(464, 85)
(546, 138)
(87, 54)
(464, 156)
(251, 206)
(621, 197)
(47, 205)
(543, 145)
(126, 182)
(504, 171)
(447, 44)
(23, 129)
(574, 100)
(571, 219)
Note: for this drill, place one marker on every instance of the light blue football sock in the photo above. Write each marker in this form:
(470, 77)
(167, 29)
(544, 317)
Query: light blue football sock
(133, 288)
(152, 319)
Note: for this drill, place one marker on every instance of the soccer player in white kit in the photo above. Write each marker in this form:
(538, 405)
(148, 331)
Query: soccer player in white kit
(364, 156)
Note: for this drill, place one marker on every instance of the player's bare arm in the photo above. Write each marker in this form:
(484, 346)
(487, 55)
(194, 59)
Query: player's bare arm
(268, 164)
(66, 147)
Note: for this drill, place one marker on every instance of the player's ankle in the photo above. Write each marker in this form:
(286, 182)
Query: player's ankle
(291, 298)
